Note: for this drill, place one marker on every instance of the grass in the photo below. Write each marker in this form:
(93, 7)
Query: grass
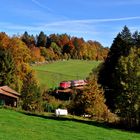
(18, 126)
(50, 75)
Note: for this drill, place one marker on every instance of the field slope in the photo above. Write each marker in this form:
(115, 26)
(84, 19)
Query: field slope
(18, 126)
(50, 75)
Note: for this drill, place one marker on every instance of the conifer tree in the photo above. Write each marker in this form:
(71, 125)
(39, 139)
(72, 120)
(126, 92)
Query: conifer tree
(120, 77)
(128, 88)
(107, 74)
(41, 40)
(7, 68)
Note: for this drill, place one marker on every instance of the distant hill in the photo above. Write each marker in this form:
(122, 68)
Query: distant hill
(51, 74)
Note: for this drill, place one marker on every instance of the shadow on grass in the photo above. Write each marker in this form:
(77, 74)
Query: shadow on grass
(96, 123)
(72, 118)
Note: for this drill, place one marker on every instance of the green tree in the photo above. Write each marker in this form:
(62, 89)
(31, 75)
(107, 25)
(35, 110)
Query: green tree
(31, 95)
(126, 35)
(56, 48)
(107, 74)
(136, 39)
(41, 40)
(128, 88)
(120, 77)
(7, 68)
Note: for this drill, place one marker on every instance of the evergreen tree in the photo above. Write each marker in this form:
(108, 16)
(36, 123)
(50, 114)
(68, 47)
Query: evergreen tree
(41, 40)
(7, 68)
(119, 76)
(107, 73)
(29, 40)
(136, 39)
(128, 88)
(126, 35)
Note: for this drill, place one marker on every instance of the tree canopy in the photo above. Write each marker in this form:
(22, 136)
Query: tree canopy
(7, 68)
(119, 76)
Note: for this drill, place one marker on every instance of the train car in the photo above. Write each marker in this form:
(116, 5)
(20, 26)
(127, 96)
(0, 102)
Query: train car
(76, 83)
(65, 84)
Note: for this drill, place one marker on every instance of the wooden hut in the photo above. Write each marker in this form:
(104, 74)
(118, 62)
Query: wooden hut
(8, 96)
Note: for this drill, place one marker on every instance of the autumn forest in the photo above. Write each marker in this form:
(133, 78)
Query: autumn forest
(113, 91)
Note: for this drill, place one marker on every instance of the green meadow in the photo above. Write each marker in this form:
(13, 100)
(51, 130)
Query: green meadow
(50, 75)
(19, 126)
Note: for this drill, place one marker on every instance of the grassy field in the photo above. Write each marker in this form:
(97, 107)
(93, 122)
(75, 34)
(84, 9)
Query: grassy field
(49, 75)
(18, 126)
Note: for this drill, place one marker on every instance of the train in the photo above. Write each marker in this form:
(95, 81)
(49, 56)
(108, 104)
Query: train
(72, 83)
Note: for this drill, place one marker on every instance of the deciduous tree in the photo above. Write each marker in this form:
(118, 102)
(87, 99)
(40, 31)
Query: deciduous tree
(91, 101)
(31, 94)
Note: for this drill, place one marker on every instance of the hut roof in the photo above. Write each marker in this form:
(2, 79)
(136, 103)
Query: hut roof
(5, 90)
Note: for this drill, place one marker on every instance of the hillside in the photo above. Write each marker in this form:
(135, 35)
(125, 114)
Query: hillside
(14, 125)
(51, 74)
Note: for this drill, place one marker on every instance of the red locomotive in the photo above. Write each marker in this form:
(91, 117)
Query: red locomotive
(65, 84)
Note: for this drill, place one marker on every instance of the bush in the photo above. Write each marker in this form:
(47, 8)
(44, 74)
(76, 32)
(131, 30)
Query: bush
(50, 103)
